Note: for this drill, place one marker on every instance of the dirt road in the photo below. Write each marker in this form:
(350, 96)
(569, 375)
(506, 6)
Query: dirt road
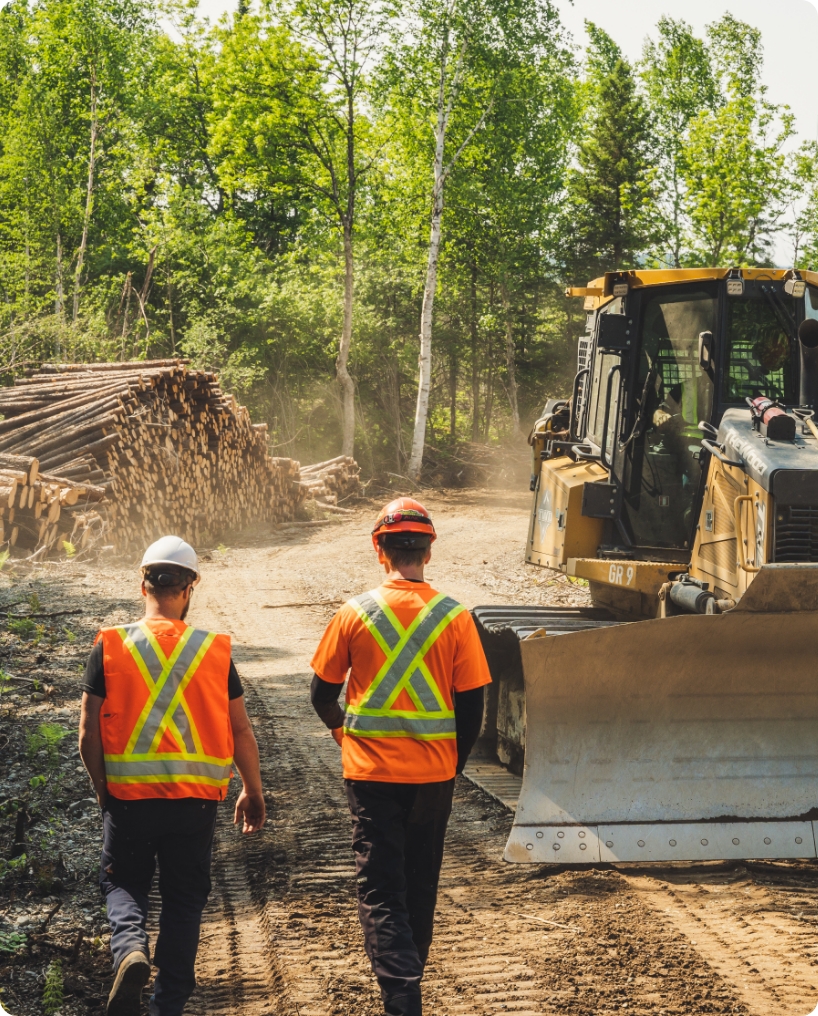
(281, 934)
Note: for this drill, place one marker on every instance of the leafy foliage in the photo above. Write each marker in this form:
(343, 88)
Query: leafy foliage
(48, 737)
(11, 941)
(612, 191)
(256, 195)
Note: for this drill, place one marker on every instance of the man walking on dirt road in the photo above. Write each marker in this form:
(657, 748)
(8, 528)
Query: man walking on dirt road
(414, 707)
(162, 722)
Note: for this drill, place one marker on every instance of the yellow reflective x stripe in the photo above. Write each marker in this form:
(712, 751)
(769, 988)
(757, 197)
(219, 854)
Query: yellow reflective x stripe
(165, 699)
(418, 663)
(405, 635)
(154, 687)
(197, 742)
(373, 631)
(404, 667)
(174, 702)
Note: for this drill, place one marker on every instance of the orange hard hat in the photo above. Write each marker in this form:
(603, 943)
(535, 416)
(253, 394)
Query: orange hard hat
(403, 515)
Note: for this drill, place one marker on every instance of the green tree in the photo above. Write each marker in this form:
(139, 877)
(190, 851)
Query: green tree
(291, 107)
(679, 82)
(737, 56)
(734, 164)
(804, 171)
(69, 86)
(610, 219)
(503, 210)
(445, 72)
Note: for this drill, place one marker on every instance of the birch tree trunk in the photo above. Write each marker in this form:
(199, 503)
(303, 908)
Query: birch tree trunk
(345, 381)
(429, 290)
(425, 358)
(89, 200)
(475, 362)
(59, 301)
(451, 82)
(511, 367)
(170, 317)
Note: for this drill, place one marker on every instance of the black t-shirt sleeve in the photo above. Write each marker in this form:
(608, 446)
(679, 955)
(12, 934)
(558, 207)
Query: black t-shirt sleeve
(324, 696)
(234, 686)
(468, 718)
(94, 681)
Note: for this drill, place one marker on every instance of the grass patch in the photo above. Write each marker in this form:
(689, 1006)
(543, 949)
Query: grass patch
(22, 627)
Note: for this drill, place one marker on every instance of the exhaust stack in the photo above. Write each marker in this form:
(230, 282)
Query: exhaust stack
(808, 342)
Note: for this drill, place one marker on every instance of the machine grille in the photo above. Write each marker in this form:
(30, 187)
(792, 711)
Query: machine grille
(721, 554)
(796, 534)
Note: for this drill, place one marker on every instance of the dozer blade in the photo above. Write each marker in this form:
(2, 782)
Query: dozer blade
(686, 738)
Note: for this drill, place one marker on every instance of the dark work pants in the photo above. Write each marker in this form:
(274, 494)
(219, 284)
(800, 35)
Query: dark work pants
(179, 833)
(397, 836)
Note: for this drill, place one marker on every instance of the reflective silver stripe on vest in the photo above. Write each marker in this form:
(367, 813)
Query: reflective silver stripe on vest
(390, 725)
(401, 663)
(169, 689)
(167, 767)
(373, 610)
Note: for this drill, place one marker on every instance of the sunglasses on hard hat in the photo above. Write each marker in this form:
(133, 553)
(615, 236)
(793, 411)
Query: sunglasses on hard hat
(407, 515)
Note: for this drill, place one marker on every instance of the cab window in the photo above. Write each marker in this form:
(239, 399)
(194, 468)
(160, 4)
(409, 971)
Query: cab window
(758, 350)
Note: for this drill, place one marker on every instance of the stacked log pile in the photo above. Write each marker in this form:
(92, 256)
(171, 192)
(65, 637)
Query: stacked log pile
(37, 509)
(332, 480)
(171, 450)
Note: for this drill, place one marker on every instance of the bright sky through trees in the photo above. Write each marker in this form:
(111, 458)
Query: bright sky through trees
(789, 32)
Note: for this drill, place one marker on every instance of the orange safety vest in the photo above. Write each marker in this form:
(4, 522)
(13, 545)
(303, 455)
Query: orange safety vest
(165, 720)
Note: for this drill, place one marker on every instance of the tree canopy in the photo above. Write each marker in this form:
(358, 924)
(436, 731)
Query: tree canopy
(310, 195)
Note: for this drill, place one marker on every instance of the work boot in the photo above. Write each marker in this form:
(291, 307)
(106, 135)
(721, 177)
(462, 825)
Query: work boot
(131, 977)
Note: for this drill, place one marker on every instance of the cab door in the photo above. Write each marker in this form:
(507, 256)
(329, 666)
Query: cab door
(659, 447)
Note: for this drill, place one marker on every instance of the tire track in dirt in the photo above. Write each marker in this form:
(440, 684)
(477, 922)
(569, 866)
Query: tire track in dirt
(569, 940)
(232, 971)
(735, 923)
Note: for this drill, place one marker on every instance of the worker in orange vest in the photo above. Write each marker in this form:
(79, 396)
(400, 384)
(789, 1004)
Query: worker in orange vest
(163, 721)
(415, 673)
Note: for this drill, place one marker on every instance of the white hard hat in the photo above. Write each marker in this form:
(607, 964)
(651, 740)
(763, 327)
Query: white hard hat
(172, 550)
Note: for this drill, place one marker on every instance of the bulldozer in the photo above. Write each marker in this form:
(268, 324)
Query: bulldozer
(676, 718)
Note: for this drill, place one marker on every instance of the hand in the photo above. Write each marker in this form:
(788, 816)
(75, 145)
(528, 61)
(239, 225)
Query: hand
(102, 797)
(338, 734)
(252, 810)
